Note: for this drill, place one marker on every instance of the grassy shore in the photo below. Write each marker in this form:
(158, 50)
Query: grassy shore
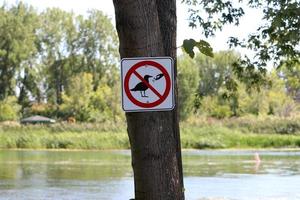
(198, 133)
(64, 136)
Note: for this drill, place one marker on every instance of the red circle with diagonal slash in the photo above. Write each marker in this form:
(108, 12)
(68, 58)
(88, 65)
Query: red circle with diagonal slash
(132, 71)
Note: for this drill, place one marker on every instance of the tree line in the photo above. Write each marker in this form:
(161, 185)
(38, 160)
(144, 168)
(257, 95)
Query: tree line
(57, 64)
(212, 88)
(62, 65)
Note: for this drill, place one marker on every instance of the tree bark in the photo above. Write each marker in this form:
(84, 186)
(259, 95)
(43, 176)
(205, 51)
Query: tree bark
(148, 28)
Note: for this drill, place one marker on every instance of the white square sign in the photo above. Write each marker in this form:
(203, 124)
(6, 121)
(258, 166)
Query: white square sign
(147, 84)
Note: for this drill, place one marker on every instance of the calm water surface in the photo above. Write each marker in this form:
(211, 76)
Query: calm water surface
(107, 175)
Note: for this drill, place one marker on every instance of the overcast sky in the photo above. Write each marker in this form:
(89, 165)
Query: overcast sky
(249, 22)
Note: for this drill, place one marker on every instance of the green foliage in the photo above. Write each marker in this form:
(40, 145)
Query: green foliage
(106, 104)
(43, 138)
(265, 124)
(277, 40)
(215, 107)
(291, 76)
(203, 46)
(188, 78)
(65, 65)
(279, 102)
(9, 109)
(18, 25)
(255, 102)
(76, 101)
(43, 109)
(218, 80)
(44, 54)
(198, 133)
(221, 111)
(90, 46)
(44, 50)
(219, 93)
(246, 132)
(57, 29)
(271, 100)
(99, 42)
(215, 73)
(85, 104)
(212, 15)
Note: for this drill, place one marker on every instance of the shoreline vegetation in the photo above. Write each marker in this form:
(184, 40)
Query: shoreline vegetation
(80, 83)
(196, 133)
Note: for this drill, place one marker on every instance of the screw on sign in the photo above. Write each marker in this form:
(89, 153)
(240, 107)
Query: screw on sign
(147, 84)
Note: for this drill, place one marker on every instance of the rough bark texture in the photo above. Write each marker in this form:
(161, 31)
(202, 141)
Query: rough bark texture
(148, 28)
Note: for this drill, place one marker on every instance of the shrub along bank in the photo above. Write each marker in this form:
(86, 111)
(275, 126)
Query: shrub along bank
(198, 133)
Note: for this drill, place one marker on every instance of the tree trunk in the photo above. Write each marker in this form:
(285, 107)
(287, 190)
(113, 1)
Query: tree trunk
(148, 28)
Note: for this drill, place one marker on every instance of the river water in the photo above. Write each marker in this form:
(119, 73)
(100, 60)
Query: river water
(107, 175)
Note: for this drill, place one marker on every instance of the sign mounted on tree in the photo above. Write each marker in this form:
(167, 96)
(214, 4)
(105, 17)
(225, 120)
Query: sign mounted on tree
(147, 84)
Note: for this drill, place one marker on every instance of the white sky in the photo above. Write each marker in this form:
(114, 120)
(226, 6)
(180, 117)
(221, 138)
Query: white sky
(249, 23)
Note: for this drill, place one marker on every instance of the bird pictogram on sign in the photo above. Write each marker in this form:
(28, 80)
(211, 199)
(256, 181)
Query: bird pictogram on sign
(142, 86)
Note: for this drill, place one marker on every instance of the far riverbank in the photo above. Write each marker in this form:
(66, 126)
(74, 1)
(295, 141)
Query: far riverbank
(239, 133)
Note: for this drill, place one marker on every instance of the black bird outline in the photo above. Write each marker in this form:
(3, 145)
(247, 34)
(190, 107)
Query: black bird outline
(142, 87)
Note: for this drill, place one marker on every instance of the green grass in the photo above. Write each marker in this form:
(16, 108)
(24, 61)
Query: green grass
(218, 137)
(196, 134)
(253, 124)
(62, 137)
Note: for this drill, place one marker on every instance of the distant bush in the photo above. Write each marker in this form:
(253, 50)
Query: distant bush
(48, 137)
(196, 133)
(9, 109)
(251, 124)
(267, 124)
(220, 137)
(211, 106)
(43, 109)
(221, 111)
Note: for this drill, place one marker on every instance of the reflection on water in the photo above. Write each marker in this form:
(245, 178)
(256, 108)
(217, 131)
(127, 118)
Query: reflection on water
(107, 175)
(218, 163)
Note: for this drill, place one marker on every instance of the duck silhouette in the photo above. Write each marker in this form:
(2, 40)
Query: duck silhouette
(141, 86)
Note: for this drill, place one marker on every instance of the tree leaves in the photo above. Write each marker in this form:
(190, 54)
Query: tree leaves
(203, 46)
(18, 25)
(41, 51)
(276, 40)
(188, 46)
(210, 15)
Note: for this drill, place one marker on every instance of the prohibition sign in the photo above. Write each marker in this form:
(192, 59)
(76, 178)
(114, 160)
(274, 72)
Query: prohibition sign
(161, 97)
